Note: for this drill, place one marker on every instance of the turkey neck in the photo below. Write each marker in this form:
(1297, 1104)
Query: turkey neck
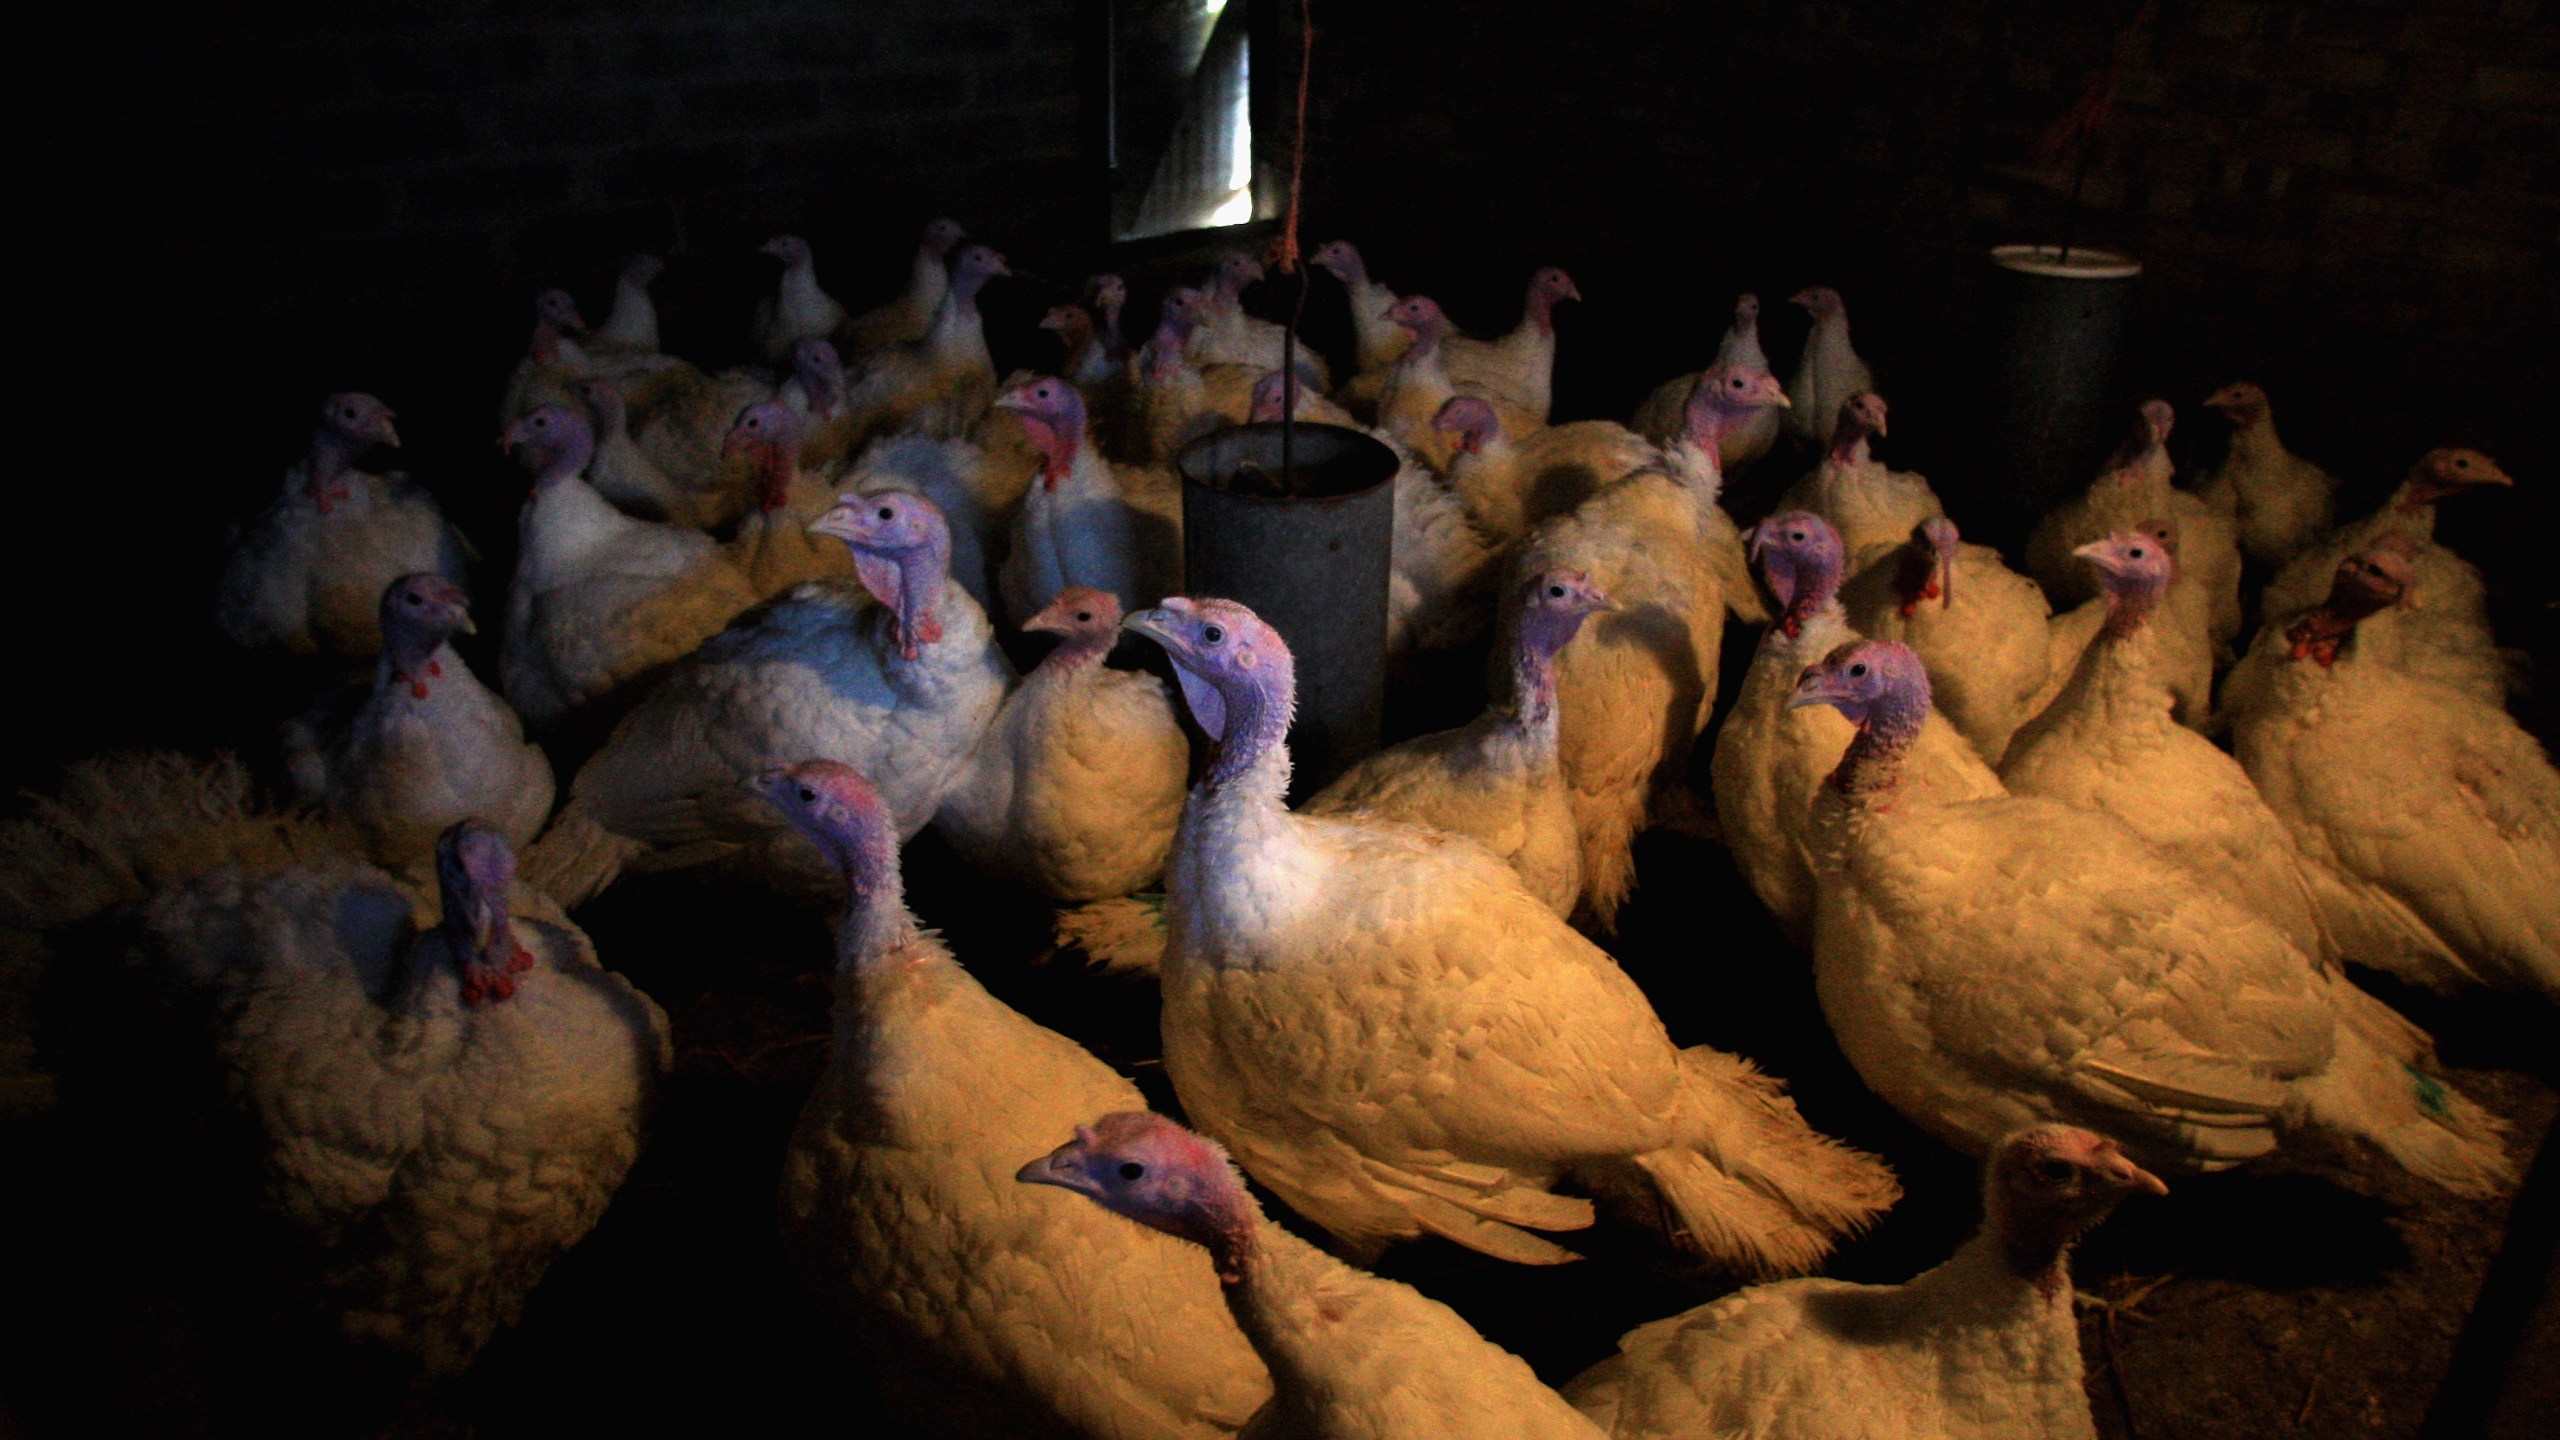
(2413, 506)
(801, 298)
(1919, 575)
(1254, 749)
(332, 456)
(411, 657)
(2119, 673)
(876, 926)
(1874, 758)
(775, 469)
(2320, 635)
(2254, 439)
(1849, 444)
(1061, 442)
(1812, 583)
(1533, 677)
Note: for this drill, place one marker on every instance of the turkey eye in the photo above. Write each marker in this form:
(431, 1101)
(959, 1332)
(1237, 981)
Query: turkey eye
(1132, 1170)
(1556, 591)
(1083, 616)
(2055, 1171)
(888, 514)
(2461, 464)
(1796, 535)
(1858, 669)
(414, 600)
(808, 793)
(2135, 552)
(1213, 634)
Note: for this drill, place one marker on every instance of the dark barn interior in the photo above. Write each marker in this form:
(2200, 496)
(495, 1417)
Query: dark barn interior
(2356, 205)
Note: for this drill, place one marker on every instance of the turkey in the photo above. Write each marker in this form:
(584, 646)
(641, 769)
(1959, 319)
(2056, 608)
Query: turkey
(1074, 789)
(1665, 411)
(960, 480)
(429, 748)
(1511, 486)
(1494, 780)
(1377, 340)
(982, 1308)
(774, 537)
(305, 575)
(1227, 335)
(2430, 820)
(1177, 402)
(943, 382)
(1770, 758)
(899, 683)
(905, 318)
(814, 392)
(1351, 1356)
(2006, 961)
(553, 363)
(1516, 372)
(1983, 629)
(2132, 490)
(1635, 688)
(1868, 504)
(630, 329)
(2444, 630)
(679, 417)
(623, 473)
(1083, 523)
(432, 1114)
(1393, 1034)
(2280, 502)
(798, 310)
(1983, 1347)
(2108, 743)
(600, 601)
(1828, 373)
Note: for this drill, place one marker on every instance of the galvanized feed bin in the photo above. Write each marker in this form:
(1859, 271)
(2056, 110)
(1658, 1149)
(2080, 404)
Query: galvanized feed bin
(1312, 561)
(2057, 328)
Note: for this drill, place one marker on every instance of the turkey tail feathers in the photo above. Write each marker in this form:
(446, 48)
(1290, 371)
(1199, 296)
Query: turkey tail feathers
(2431, 1129)
(1124, 936)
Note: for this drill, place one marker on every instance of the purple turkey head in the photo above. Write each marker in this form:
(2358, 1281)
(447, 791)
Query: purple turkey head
(1927, 570)
(976, 265)
(1236, 672)
(940, 235)
(1866, 411)
(901, 553)
(789, 249)
(1422, 315)
(1800, 557)
(1053, 411)
(842, 814)
(555, 438)
(1865, 680)
(2240, 402)
(1109, 292)
(1236, 270)
(358, 417)
(1088, 620)
(1140, 1165)
(1546, 288)
(2044, 1187)
(1819, 301)
(1470, 423)
(764, 428)
(1553, 605)
(820, 371)
(476, 873)
(2140, 561)
(1341, 259)
(419, 614)
(1725, 395)
(604, 402)
(556, 309)
(2160, 417)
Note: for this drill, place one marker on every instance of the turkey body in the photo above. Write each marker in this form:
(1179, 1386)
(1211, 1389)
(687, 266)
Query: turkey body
(306, 576)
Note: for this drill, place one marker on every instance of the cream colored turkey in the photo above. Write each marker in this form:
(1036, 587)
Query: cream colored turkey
(1665, 411)
(1828, 373)
(1227, 335)
(1085, 521)
(1074, 789)
(2133, 489)
(2431, 821)
(978, 1308)
(2006, 961)
(1378, 340)
(1352, 1356)
(2279, 501)
(774, 537)
(1635, 687)
(941, 383)
(1983, 1347)
(799, 309)
(623, 473)
(1771, 758)
(1516, 372)
(1868, 504)
(904, 318)
(1496, 779)
(1509, 487)
(1393, 1034)
(1984, 630)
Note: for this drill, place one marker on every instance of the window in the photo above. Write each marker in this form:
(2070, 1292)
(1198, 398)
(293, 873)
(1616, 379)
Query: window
(1181, 126)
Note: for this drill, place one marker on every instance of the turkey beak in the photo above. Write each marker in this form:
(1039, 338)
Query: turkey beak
(1751, 546)
(1156, 625)
(841, 522)
(1812, 688)
(1060, 1167)
(1946, 579)
(386, 435)
(2492, 476)
(462, 624)
(1044, 623)
(2129, 1177)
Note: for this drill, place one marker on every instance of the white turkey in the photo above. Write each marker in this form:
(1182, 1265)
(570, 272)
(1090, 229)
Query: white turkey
(1351, 1356)
(305, 575)
(2108, 743)
(1227, 335)
(429, 747)
(2280, 502)
(1828, 373)
(432, 1113)
(1664, 412)
(553, 362)
(941, 383)
(1867, 503)
(600, 601)
(2430, 820)
(1984, 630)
(623, 473)
(1983, 1347)
(1771, 758)
(1517, 371)
(798, 309)
(1496, 779)
(1393, 1034)
(630, 328)
(1635, 687)
(1992, 963)
(905, 317)
(773, 540)
(1377, 340)
(980, 1307)
(1084, 521)
(814, 392)
(1074, 788)
(899, 682)
(2132, 490)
